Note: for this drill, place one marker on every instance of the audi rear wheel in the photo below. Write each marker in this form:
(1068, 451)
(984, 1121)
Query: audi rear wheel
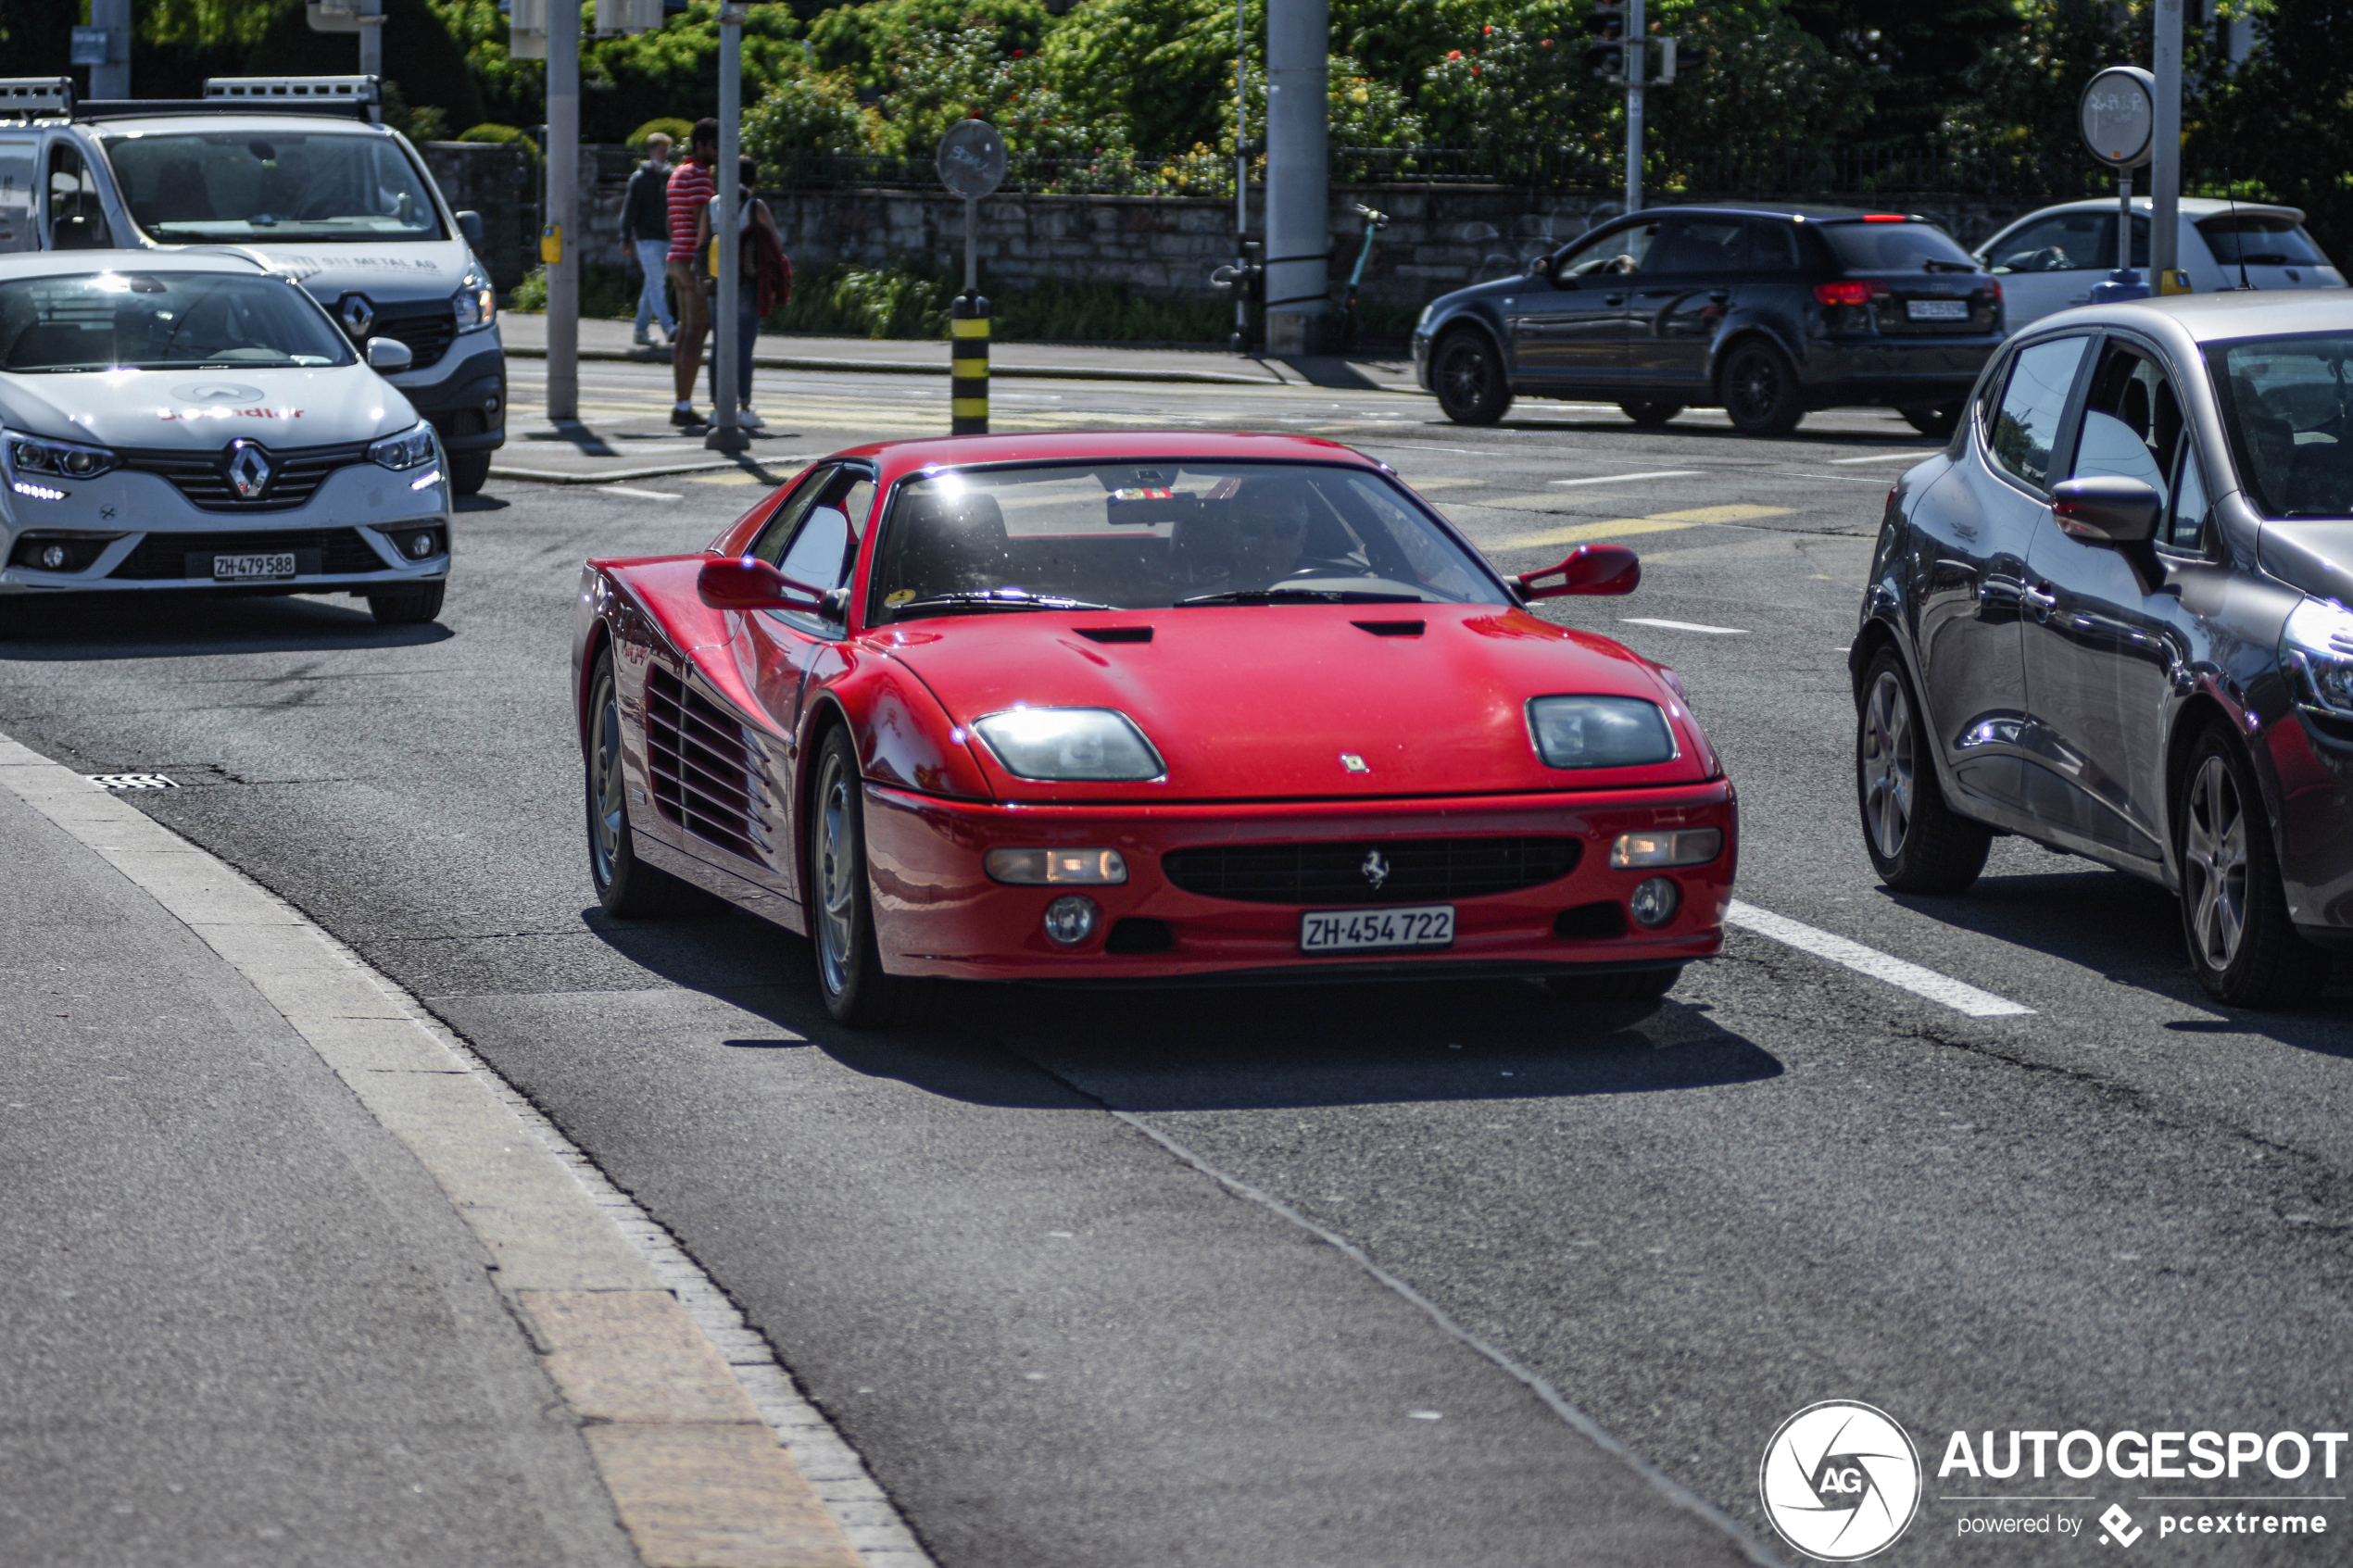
(1760, 390)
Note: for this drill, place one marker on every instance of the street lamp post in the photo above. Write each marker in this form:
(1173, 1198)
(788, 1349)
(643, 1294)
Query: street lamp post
(726, 434)
(560, 246)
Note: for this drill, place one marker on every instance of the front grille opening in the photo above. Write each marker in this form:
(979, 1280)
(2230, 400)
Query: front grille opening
(1136, 935)
(203, 477)
(1591, 923)
(1400, 871)
(337, 551)
(427, 331)
(706, 777)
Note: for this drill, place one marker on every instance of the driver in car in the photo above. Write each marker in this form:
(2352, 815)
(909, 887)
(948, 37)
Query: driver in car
(1270, 531)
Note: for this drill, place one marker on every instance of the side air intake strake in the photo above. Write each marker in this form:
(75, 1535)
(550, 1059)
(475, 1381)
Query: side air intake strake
(705, 770)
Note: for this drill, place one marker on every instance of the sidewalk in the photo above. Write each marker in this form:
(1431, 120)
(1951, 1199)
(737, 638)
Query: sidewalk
(525, 337)
(294, 1281)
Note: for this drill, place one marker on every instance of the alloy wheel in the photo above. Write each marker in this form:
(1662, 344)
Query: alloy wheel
(1464, 377)
(1754, 388)
(1888, 765)
(2214, 864)
(605, 781)
(836, 893)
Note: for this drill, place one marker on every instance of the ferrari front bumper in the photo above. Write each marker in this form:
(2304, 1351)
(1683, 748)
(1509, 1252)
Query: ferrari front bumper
(937, 911)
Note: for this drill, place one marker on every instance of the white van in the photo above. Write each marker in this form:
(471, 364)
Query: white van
(2051, 259)
(295, 172)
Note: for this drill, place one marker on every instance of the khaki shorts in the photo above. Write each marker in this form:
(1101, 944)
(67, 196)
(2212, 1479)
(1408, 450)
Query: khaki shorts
(694, 311)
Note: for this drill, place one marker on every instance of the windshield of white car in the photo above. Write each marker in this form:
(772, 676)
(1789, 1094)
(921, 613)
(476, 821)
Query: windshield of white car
(1147, 536)
(162, 320)
(273, 188)
(2259, 239)
(2288, 408)
(1897, 247)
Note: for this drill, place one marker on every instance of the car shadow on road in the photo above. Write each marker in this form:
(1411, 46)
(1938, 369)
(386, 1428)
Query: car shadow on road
(2130, 933)
(175, 625)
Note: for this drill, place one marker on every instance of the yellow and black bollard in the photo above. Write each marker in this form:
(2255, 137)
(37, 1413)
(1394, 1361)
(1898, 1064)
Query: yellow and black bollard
(968, 366)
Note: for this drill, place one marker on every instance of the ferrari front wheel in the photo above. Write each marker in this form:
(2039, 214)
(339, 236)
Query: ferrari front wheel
(841, 912)
(626, 887)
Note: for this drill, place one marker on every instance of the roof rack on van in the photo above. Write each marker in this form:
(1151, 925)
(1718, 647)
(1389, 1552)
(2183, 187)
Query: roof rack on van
(34, 96)
(342, 95)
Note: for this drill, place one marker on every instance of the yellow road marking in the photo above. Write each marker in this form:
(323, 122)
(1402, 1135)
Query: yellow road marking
(1661, 522)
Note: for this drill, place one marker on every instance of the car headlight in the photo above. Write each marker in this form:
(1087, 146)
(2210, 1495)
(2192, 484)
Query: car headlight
(1599, 732)
(1034, 867)
(1070, 744)
(54, 460)
(411, 449)
(476, 303)
(2316, 649)
(1688, 846)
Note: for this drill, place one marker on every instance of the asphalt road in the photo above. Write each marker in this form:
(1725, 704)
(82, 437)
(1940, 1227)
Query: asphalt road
(999, 1253)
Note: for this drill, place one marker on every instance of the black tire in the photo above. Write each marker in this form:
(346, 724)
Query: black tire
(1466, 372)
(1651, 415)
(1937, 420)
(1641, 986)
(469, 472)
(626, 887)
(408, 607)
(841, 904)
(2234, 917)
(1917, 844)
(1759, 388)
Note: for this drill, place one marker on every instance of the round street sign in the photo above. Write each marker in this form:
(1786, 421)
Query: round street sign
(2117, 115)
(971, 158)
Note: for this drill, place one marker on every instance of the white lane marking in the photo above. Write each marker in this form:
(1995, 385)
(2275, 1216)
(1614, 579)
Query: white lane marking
(1953, 993)
(1685, 626)
(1628, 478)
(640, 495)
(1889, 457)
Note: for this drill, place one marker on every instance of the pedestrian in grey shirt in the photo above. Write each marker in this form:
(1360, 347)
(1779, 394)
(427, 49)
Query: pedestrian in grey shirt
(645, 230)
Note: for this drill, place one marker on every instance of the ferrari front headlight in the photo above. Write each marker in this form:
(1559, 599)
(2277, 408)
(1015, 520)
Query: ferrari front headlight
(1599, 732)
(1070, 744)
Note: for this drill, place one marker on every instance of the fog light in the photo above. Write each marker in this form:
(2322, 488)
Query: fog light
(1654, 901)
(1038, 867)
(419, 546)
(1071, 919)
(53, 558)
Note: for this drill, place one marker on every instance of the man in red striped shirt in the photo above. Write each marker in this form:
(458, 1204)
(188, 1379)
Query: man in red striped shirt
(691, 188)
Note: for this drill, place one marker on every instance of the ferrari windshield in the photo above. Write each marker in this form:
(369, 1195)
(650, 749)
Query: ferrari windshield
(162, 320)
(1147, 536)
(254, 186)
(2290, 417)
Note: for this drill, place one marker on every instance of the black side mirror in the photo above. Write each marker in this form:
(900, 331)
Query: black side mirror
(469, 225)
(2107, 510)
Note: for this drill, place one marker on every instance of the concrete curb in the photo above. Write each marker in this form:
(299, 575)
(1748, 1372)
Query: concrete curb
(698, 1436)
(996, 369)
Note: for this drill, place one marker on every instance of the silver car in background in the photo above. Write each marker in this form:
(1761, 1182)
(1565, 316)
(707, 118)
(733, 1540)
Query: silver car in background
(2052, 259)
(2115, 616)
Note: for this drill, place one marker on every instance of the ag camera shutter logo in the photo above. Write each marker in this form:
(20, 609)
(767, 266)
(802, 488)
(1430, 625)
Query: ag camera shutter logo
(1841, 1481)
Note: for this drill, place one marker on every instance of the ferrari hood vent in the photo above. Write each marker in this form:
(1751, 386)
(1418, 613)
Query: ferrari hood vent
(1114, 634)
(1392, 628)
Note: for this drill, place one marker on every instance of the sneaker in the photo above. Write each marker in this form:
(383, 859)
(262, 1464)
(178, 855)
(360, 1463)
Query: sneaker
(684, 414)
(643, 339)
(750, 421)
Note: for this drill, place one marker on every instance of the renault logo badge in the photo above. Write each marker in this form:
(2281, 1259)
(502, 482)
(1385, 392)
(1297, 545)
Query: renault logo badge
(249, 470)
(1376, 869)
(357, 314)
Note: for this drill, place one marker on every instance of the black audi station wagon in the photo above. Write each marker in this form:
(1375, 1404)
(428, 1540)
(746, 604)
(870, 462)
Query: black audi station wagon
(2112, 616)
(1764, 312)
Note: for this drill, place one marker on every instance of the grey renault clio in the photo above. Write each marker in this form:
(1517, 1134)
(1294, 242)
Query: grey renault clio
(2112, 616)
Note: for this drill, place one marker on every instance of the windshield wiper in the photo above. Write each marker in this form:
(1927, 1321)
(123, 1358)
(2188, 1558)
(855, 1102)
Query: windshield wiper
(1315, 595)
(998, 599)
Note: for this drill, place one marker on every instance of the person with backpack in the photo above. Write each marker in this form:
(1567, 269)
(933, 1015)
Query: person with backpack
(764, 277)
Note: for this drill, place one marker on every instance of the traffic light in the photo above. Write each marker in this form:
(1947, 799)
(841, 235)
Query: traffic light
(1676, 58)
(1607, 58)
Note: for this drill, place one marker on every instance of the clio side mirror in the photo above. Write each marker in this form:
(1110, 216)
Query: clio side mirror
(748, 582)
(2107, 510)
(1591, 568)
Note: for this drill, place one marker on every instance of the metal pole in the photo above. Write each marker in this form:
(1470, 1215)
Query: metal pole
(1299, 238)
(727, 436)
(113, 79)
(2165, 164)
(563, 210)
(1241, 173)
(2124, 226)
(1637, 52)
(371, 38)
(968, 340)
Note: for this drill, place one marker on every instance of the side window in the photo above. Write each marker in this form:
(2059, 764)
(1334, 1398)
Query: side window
(2132, 422)
(76, 221)
(769, 545)
(1697, 244)
(820, 540)
(1614, 254)
(2065, 242)
(2026, 424)
(2186, 522)
(1772, 247)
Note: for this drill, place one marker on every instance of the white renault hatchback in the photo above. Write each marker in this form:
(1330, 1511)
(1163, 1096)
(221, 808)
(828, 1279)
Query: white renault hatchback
(2052, 259)
(186, 420)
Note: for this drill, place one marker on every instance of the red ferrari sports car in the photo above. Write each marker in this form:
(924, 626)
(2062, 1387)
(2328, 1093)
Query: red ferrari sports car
(1142, 709)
